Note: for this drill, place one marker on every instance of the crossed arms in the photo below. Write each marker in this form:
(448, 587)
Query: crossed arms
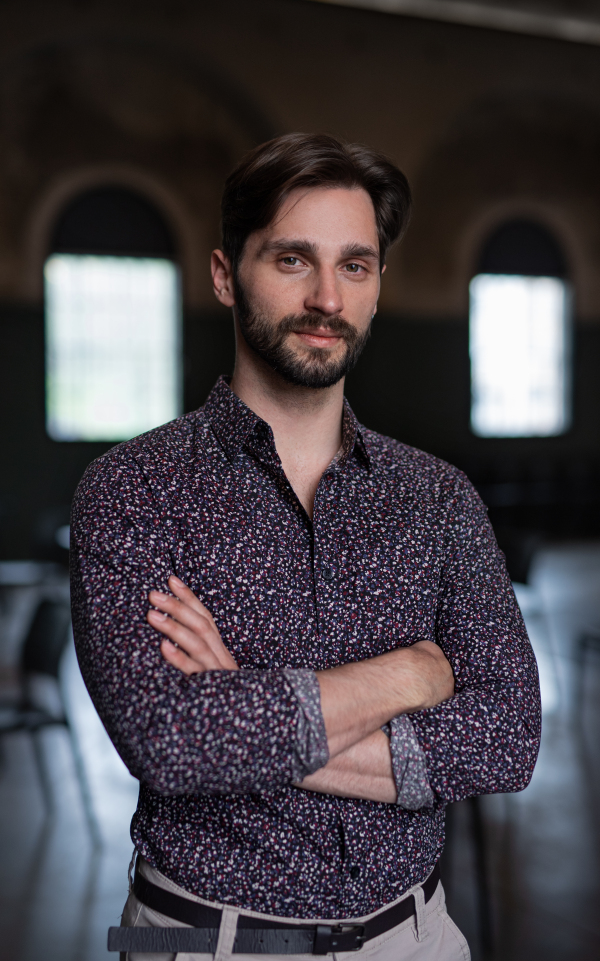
(356, 699)
(209, 728)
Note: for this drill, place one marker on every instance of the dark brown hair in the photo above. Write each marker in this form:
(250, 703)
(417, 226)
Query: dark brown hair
(260, 183)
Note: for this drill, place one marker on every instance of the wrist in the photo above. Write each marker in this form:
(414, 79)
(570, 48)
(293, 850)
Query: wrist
(357, 698)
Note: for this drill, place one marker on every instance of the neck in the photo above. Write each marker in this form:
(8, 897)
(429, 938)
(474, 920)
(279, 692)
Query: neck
(306, 423)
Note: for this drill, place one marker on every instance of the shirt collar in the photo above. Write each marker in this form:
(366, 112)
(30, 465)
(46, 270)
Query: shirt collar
(353, 441)
(236, 426)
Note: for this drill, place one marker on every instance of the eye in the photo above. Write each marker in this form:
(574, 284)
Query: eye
(291, 261)
(353, 268)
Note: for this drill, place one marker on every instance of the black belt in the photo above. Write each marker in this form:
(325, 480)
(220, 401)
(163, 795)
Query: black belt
(254, 935)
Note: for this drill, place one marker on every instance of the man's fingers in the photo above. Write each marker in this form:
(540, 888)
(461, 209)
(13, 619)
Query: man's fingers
(193, 645)
(178, 632)
(435, 670)
(183, 613)
(199, 622)
(188, 623)
(183, 592)
(178, 658)
(208, 656)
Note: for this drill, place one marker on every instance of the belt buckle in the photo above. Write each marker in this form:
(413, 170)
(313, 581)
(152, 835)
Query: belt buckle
(326, 934)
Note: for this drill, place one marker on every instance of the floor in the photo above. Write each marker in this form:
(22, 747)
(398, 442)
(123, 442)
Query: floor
(58, 895)
(58, 892)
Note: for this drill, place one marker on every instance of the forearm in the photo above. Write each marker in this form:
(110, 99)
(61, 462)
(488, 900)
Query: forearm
(215, 732)
(481, 741)
(380, 768)
(210, 728)
(363, 770)
(358, 698)
(336, 708)
(219, 733)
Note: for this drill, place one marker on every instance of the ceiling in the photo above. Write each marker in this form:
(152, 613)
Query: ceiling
(577, 21)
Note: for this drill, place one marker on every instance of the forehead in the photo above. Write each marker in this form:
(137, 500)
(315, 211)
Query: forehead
(327, 216)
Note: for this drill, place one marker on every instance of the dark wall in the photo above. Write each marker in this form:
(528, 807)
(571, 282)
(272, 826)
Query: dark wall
(39, 475)
(412, 383)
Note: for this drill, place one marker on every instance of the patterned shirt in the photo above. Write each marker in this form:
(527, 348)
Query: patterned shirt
(399, 549)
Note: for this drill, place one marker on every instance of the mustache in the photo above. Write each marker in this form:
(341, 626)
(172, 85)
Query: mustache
(294, 323)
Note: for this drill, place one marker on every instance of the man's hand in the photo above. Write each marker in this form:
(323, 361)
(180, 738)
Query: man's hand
(187, 623)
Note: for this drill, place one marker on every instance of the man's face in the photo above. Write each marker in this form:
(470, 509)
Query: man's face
(307, 285)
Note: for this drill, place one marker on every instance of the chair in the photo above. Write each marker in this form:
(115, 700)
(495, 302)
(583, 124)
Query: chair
(34, 710)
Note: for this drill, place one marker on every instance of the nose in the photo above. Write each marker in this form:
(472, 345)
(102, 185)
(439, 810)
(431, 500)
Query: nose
(324, 295)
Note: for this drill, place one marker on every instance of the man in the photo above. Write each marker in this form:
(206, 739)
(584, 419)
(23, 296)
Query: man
(299, 634)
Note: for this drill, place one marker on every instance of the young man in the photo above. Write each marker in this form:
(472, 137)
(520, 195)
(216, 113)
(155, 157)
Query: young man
(299, 634)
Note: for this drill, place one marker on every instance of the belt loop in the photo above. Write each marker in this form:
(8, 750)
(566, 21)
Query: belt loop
(227, 932)
(422, 931)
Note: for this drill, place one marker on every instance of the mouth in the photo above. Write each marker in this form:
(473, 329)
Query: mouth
(321, 337)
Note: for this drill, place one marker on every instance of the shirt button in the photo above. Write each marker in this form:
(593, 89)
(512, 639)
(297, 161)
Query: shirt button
(354, 872)
(327, 574)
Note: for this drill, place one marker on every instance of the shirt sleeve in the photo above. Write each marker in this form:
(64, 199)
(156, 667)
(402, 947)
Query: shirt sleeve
(219, 732)
(409, 765)
(485, 739)
(310, 744)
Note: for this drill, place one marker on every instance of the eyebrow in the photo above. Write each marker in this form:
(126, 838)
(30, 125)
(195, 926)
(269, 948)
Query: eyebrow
(278, 246)
(364, 251)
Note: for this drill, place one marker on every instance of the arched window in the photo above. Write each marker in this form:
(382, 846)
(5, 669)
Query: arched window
(112, 319)
(519, 336)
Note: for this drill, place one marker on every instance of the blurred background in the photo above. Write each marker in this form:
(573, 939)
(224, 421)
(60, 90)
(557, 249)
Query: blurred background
(118, 125)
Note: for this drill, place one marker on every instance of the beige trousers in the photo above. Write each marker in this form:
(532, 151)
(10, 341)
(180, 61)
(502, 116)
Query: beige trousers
(429, 936)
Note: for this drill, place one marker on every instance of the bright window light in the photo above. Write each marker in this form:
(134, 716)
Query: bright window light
(518, 347)
(112, 346)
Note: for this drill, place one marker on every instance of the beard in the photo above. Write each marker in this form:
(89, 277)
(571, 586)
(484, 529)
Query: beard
(315, 367)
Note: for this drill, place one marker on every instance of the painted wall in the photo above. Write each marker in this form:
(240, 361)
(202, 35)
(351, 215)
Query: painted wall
(166, 96)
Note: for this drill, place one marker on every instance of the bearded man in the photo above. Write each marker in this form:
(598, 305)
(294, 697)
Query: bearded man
(299, 634)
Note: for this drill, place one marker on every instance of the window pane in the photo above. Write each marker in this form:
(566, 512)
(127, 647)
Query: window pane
(112, 346)
(518, 342)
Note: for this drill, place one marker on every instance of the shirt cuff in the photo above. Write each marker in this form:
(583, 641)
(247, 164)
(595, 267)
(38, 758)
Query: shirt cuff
(409, 765)
(310, 749)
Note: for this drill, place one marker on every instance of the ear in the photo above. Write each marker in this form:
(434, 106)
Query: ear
(222, 276)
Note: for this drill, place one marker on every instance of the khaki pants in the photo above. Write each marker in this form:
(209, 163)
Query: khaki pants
(429, 936)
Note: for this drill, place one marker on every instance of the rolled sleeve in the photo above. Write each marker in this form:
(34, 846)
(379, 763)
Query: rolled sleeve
(310, 743)
(409, 765)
